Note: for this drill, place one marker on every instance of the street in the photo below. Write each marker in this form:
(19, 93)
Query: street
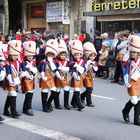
(102, 122)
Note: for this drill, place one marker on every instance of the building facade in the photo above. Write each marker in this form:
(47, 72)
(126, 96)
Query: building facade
(116, 15)
(56, 16)
(34, 14)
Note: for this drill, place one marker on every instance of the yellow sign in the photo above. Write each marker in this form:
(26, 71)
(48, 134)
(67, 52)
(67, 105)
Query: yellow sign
(116, 5)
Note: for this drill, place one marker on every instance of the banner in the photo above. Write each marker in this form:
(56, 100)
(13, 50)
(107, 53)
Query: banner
(54, 12)
(65, 12)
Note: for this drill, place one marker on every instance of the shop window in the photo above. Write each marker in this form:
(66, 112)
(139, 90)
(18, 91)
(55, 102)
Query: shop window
(116, 26)
(136, 25)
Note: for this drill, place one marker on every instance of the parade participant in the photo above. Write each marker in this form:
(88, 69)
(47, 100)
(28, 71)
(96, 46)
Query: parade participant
(132, 81)
(63, 68)
(102, 59)
(48, 71)
(119, 54)
(2, 73)
(40, 52)
(2, 62)
(12, 78)
(30, 71)
(91, 68)
(78, 69)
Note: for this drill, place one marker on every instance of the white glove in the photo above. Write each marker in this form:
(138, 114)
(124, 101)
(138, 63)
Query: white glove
(80, 69)
(64, 69)
(128, 85)
(12, 84)
(9, 78)
(33, 69)
(31, 77)
(59, 76)
(2, 75)
(44, 78)
(22, 74)
(28, 75)
(77, 77)
(88, 62)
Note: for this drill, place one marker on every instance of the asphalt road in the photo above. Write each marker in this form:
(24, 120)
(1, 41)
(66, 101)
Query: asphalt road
(102, 122)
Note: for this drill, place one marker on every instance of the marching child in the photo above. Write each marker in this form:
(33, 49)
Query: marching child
(78, 68)
(47, 72)
(29, 72)
(63, 68)
(12, 78)
(132, 81)
(2, 72)
(91, 68)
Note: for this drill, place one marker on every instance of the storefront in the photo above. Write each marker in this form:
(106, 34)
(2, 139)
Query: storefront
(113, 16)
(34, 15)
(58, 16)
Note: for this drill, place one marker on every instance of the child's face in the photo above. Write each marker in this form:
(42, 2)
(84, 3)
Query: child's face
(92, 57)
(77, 56)
(134, 55)
(29, 57)
(14, 57)
(62, 55)
(50, 55)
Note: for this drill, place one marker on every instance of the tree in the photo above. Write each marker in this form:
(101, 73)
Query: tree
(80, 15)
(6, 13)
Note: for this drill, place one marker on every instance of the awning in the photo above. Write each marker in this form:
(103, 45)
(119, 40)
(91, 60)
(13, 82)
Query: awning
(119, 17)
(112, 12)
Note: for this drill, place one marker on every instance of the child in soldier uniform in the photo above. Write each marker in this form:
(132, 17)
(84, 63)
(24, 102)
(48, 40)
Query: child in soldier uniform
(2, 72)
(29, 69)
(12, 78)
(78, 68)
(63, 68)
(91, 68)
(132, 81)
(47, 71)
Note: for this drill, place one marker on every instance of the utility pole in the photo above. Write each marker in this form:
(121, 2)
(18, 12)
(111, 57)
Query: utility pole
(6, 14)
(79, 16)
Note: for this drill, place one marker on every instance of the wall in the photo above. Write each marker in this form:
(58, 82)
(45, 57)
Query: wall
(30, 22)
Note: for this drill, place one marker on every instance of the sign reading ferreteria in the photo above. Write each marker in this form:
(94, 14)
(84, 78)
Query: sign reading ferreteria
(116, 5)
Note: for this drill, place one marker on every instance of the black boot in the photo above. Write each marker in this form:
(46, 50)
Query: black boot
(44, 97)
(27, 106)
(126, 111)
(88, 97)
(137, 114)
(57, 101)
(6, 107)
(66, 100)
(83, 95)
(89, 101)
(51, 98)
(78, 100)
(14, 113)
(73, 102)
(1, 119)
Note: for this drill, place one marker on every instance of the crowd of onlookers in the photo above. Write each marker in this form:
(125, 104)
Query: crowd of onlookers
(108, 49)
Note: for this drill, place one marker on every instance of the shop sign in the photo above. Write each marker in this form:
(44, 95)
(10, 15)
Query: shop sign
(65, 12)
(37, 12)
(54, 12)
(116, 5)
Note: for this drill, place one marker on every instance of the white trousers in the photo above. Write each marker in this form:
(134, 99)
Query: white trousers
(135, 99)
